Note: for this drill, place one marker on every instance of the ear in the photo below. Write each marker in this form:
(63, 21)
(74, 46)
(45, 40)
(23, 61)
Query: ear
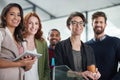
(68, 26)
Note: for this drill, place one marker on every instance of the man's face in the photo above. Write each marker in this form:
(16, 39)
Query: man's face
(99, 25)
(54, 37)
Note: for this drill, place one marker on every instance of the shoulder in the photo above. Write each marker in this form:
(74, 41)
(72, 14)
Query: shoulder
(40, 42)
(41, 46)
(2, 30)
(86, 46)
(113, 39)
(89, 42)
(64, 42)
(2, 33)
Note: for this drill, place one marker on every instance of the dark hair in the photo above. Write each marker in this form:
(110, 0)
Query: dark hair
(54, 30)
(74, 14)
(99, 14)
(39, 33)
(20, 27)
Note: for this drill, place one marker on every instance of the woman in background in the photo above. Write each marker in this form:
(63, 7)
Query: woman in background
(36, 44)
(11, 44)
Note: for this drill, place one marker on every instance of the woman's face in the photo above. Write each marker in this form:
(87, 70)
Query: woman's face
(32, 25)
(76, 25)
(13, 17)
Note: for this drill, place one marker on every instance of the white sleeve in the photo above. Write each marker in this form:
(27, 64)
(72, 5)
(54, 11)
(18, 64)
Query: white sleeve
(1, 39)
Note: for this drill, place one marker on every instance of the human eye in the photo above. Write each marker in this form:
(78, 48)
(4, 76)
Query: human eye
(52, 35)
(18, 14)
(29, 22)
(36, 23)
(11, 14)
(96, 22)
(57, 35)
(81, 23)
(73, 22)
(101, 22)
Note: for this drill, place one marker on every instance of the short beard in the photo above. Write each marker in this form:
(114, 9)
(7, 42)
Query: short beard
(98, 32)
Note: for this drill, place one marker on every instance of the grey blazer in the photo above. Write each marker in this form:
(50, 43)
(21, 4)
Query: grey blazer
(9, 51)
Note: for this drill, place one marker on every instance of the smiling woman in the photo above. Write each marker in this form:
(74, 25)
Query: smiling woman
(36, 44)
(11, 43)
(13, 17)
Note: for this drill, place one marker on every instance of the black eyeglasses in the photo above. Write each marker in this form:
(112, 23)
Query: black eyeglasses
(75, 23)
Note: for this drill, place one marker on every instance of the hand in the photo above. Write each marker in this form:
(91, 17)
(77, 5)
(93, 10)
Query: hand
(97, 75)
(28, 67)
(27, 56)
(86, 75)
(26, 61)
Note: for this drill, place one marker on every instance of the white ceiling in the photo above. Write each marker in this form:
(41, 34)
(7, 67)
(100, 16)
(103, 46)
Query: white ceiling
(50, 9)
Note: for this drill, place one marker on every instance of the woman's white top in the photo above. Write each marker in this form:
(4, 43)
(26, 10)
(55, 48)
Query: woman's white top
(32, 74)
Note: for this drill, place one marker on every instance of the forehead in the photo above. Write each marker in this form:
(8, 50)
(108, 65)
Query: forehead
(33, 18)
(77, 18)
(54, 32)
(14, 9)
(99, 19)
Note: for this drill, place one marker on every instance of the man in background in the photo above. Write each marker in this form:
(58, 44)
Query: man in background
(53, 38)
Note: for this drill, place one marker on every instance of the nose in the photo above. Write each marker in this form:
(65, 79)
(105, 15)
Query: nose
(54, 36)
(16, 16)
(79, 25)
(98, 24)
(33, 25)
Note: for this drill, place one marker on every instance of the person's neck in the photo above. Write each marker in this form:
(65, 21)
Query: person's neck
(75, 42)
(12, 30)
(52, 47)
(30, 38)
(99, 36)
(75, 39)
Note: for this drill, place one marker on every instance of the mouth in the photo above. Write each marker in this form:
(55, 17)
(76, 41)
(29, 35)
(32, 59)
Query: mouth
(98, 28)
(32, 29)
(54, 40)
(15, 21)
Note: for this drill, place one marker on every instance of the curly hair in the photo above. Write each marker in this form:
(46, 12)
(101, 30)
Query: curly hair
(39, 33)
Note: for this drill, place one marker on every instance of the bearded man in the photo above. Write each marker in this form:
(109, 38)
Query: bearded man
(106, 48)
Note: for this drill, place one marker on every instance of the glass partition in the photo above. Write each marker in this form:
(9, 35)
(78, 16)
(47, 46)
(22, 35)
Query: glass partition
(63, 72)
